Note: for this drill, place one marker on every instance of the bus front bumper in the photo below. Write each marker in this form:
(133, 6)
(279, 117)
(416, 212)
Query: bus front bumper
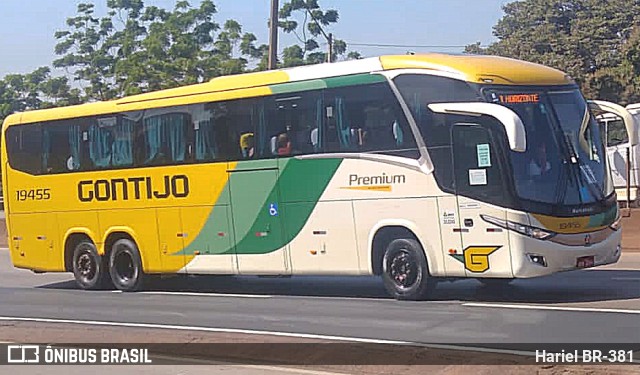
(532, 257)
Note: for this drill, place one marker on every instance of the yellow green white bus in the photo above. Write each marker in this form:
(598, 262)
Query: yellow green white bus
(417, 168)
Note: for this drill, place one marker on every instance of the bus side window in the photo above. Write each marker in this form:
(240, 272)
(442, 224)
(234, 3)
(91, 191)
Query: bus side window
(56, 147)
(367, 118)
(24, 148)
(616, 133)
(291, 121)
(205, 143)
(165, 138)
(239, 138)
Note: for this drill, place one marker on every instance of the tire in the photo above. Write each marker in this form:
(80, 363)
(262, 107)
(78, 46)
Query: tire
(495, 283)
(89, 268)
(405, 272)
(125, 266)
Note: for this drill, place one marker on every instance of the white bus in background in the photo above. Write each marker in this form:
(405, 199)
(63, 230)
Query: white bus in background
(619, 150)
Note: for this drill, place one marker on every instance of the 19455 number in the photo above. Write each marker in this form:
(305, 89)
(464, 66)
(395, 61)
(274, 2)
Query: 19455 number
(34, 194)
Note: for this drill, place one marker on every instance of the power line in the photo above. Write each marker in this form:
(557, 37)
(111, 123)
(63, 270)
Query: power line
(404, 45)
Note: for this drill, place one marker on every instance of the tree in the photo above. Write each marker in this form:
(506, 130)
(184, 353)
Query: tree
(137, 48)
(35, 90)
(596, 42)
(308, 28)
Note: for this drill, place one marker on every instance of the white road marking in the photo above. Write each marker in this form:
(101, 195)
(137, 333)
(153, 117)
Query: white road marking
(626, 278)
(208, 329)
(556, 308)
(275, 333)
(196, 294)
(288, 369)
(269, 333)
(196, 361)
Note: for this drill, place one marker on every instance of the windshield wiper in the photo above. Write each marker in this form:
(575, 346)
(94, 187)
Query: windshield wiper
(561, 187)
(583, 173)
(569, 157)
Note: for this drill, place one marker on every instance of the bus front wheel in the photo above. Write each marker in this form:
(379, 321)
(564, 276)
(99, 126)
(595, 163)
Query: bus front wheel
(405, 272)
(125, 266)
(89, 269)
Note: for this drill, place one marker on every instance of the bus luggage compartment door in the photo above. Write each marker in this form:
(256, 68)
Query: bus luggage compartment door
(257, 219)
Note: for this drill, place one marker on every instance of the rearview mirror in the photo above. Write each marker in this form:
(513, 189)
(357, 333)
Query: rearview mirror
(508, 118)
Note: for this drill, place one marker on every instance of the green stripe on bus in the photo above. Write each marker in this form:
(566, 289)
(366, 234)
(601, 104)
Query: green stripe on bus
(354, 80)
(300, 185)
(284, 88)
(332, 82)
(300, 181)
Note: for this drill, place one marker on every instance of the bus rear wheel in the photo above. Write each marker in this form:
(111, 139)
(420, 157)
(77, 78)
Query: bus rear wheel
(89, 268)
(405, 272)
(125, 266)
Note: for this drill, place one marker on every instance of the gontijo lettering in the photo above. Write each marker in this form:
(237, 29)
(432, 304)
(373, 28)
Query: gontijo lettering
(133, 188)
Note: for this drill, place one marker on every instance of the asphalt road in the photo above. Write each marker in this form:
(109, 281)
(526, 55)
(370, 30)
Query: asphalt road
(598, 305)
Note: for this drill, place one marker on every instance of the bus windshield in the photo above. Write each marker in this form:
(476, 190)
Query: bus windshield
(565, 161)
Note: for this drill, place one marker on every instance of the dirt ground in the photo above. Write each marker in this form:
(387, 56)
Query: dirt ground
(631, 230)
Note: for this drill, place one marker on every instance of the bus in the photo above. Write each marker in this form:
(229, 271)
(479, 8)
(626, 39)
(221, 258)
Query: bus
(417, 168)
(623, 154)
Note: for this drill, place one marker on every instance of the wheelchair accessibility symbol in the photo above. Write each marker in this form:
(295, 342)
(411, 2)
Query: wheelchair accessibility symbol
(273, 209)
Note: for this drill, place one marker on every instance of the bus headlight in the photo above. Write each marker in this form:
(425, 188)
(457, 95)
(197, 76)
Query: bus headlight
(527, 230)
(616, 224)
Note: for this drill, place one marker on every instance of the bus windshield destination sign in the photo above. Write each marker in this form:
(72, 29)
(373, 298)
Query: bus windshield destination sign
(519, 98)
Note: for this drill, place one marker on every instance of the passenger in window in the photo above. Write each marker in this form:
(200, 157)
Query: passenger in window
(284, 145)
(539, 165)
(314, 139)
(72, 163)
(393, 122)
(247, 145)
(359, 135)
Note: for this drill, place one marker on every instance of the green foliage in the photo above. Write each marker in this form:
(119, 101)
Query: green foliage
(137, 48)
(309, 26)
(596, 42)
(35, 90)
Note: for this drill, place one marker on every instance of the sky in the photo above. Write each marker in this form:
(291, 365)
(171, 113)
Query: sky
(27, 26)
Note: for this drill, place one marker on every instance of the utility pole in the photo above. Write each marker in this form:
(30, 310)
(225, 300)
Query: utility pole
(330, 41)
(273, 35)
(329, 37)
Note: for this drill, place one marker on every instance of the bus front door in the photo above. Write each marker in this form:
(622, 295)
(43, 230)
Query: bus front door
(257, 219)
(480, 187)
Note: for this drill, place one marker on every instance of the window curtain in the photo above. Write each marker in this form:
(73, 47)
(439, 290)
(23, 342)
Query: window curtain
(74, 143)
(152, 130)
(258, 114)
(177, 142)
(317, 145)
(342, 127)
(122, 147)
(46, 148)
(205, 141)
(100, 146)
(417, 108)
